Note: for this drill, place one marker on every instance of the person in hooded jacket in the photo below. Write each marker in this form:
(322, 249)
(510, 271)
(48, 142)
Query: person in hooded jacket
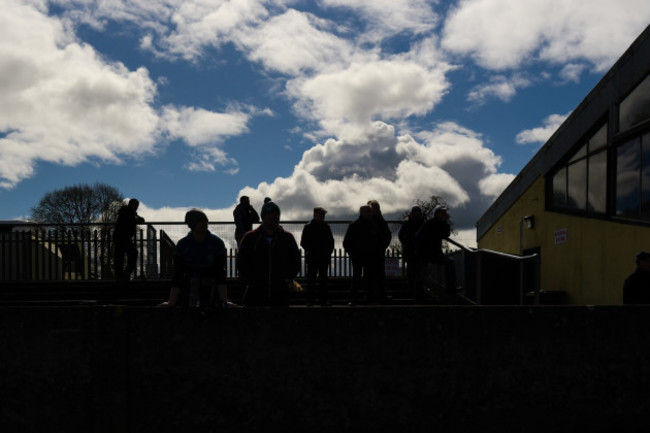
(269, 260)
(318, 242)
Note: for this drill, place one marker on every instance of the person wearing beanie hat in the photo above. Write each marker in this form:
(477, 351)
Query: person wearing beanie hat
(268, 261)
(318, 242)
(269, 206)
(636, 289)
(199, 278)
(266, 200)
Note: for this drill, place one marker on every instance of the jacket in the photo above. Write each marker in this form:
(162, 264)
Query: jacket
(366, 238)
(429, 239)
(317, 241)
(125, 226)
(267, 264)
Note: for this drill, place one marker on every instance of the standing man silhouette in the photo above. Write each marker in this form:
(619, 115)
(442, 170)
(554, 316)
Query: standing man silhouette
(318, 242)
(245, 216)
(125, 227)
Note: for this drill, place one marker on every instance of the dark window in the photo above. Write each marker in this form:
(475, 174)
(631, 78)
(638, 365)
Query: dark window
(597, 188)
(635, 108)
(578, 185)
(559, 188)
(633, 178)
(581, 183)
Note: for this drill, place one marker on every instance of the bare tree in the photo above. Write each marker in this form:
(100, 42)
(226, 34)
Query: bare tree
(79, 204)
(427, 206)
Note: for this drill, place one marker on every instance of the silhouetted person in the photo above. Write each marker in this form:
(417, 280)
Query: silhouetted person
(407, 232)
(429, 247)
(269, 260)
(266, 200)
(636, 289)
(199, 278)
(318, 243)
(245, 216)
(125, 227)
(362, 243)
(378, 258)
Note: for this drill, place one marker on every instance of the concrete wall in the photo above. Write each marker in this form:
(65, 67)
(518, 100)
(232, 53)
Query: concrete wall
(386, 369)
(590, 265)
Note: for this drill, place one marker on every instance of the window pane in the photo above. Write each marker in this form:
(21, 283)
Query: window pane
(636, 107)
(597, 182)
(627, 179)
(578, 185)
(645, 179)
(599, 139)
(580, 153)
(559, 188)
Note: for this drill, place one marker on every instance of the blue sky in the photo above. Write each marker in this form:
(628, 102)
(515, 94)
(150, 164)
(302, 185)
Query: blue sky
(191, 103)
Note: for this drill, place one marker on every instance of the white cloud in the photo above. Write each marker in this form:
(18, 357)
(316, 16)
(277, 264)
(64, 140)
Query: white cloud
(499, 87)
(294, 42)
(365, 92)
(449, 161)
(385, 18)
(502, 34)
(61, 102)
(541, 134)
(199, 127)
(572, 72)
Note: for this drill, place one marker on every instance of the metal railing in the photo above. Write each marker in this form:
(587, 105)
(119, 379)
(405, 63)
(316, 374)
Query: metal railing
(495, 278)
(85, 252)
(34, 252)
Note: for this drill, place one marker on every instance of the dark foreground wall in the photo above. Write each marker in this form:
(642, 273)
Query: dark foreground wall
(392, 369)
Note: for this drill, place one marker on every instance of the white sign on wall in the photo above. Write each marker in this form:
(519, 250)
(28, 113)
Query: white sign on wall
(561, 236)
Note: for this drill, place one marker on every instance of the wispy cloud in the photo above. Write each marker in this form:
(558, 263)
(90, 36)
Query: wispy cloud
(542, 133)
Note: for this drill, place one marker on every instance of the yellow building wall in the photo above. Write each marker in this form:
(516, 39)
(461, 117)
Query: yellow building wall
(591, 263)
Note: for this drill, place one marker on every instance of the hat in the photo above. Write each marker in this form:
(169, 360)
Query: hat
(194, 216)
(439, 208)
(269, 207)
(320, 209)
(643, 255)
(416, 209)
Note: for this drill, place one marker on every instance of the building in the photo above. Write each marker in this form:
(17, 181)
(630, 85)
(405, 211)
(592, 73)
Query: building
(583, 201)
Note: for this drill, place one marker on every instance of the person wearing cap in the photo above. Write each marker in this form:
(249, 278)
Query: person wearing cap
(429, 249)
(268, 261)
(406, 235)
(199, 278)
(318, 242)
(636, 289)
(245, 216)
(125, 228)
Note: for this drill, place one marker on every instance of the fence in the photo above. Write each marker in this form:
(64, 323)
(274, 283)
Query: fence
(33, 252)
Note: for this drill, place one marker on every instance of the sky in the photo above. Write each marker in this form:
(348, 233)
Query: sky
(193, 103)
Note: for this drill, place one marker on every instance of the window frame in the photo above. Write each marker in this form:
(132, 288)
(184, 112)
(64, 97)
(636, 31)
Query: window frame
(570, 160)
